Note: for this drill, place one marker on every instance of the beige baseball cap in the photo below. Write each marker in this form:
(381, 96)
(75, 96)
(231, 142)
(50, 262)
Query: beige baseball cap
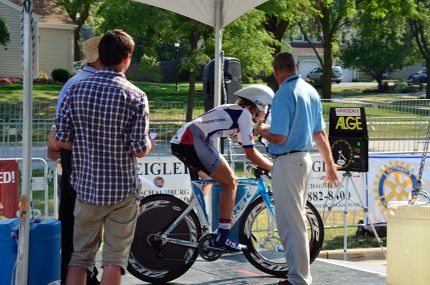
(90, 48)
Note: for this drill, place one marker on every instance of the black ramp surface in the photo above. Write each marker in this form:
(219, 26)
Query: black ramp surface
(235, 269)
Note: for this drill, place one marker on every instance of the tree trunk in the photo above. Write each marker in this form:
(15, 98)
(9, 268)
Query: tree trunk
(327, 45)
(84, 13)
(379, 80)
(76, 48)
(277, 27)
(191, 95)
(192, 79)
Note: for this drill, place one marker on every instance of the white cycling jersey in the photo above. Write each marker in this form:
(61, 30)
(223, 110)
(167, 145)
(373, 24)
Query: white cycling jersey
(223, 121)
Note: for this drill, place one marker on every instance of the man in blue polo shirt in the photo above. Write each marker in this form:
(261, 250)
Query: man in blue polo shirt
(296, 121)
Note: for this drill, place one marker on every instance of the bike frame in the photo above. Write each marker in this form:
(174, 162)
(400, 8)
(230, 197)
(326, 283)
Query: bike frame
(257, 187)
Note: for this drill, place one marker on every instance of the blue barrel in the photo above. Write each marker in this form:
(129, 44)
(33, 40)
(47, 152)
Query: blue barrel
(44, 254)
(216, 191)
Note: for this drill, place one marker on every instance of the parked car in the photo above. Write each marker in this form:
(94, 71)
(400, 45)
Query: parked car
(419, 77)
(316, 73)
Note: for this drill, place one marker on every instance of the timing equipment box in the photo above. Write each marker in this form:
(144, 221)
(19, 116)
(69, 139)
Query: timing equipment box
(350, 153)
(349, 139)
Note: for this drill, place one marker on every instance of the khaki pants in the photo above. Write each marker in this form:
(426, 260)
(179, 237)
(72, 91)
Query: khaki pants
(118, 222)
(289, 182)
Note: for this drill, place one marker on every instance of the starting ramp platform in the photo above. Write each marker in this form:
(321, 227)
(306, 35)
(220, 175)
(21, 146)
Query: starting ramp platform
(236, 270)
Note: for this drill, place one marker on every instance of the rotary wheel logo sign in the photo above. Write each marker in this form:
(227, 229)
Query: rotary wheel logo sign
(394, 184)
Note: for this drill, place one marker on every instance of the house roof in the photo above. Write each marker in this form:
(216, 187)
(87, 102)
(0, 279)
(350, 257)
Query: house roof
(48, 11)
(304, 48)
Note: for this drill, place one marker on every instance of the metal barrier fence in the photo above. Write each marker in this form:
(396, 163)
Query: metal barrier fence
(394, 125)
(43, 194)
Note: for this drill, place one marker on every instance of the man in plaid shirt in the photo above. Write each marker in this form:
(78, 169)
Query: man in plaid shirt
(104, 118)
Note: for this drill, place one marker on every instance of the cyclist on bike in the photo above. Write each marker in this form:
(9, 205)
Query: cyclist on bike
(192, 144)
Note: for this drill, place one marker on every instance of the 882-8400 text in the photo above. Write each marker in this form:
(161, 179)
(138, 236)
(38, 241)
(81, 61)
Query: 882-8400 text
(321, 199)
(316, 196)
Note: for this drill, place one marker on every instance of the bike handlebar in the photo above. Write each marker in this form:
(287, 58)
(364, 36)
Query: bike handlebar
(258, 172)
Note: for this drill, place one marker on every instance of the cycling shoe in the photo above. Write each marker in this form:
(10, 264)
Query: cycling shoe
(222, 241)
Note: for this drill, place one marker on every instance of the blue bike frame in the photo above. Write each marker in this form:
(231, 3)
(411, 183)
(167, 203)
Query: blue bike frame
(257, 187)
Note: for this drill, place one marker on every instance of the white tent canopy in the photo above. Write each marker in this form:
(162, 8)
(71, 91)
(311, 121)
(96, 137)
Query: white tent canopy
(215, 13)
(205, 10)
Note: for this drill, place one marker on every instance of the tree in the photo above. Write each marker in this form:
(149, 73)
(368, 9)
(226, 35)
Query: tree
(247, 40)
(78, 11)
(418, 14)
(156, 31)
(4, 33)
(193, 33)
(329, 16)
(279, 16)
(382, 43)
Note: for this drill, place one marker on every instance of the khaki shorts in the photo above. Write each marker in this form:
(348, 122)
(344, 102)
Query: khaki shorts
(118, 222)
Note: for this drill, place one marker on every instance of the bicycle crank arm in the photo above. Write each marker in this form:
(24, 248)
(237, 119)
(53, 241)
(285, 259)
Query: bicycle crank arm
(181, 242)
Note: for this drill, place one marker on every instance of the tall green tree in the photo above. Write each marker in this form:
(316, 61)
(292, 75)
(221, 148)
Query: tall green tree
(328, 18)
(247, 40)
(418, 14)
(4, 33)
(78, 11)
(382, 42)
(280, 15)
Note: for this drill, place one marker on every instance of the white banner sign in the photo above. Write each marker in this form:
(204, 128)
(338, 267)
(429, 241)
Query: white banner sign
(167, 174)
(322, 195)
(164, 174)
(392, 178)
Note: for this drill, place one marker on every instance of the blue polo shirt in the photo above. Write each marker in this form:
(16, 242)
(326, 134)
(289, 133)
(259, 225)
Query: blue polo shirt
(296, 114)
(86, 72)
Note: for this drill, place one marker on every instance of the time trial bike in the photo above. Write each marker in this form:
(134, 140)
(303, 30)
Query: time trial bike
(170, 234)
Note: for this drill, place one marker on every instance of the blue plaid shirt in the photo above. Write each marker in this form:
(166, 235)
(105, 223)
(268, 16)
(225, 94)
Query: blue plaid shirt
(106, 118)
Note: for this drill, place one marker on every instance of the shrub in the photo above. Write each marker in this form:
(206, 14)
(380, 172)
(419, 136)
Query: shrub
(60, 75)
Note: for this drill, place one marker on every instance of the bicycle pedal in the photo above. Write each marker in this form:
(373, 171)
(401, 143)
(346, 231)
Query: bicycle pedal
(207, 251)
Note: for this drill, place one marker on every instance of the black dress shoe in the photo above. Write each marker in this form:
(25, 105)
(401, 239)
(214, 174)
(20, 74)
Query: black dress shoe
(284, 282)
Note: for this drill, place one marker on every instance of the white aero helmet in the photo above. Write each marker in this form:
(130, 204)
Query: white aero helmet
(261, 95)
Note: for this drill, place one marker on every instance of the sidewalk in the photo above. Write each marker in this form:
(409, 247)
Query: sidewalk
(354, 254)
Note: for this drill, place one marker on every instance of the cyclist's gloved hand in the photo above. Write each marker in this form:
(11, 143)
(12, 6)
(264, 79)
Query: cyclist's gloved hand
(258, 172)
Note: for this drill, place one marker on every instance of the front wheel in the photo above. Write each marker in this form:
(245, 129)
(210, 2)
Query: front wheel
(153, 260)
(258, 231)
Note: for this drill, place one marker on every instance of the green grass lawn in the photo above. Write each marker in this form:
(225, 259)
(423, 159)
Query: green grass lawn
(162, 97)
(154, 91)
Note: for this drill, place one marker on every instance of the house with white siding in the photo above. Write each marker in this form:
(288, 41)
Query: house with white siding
(53, 33)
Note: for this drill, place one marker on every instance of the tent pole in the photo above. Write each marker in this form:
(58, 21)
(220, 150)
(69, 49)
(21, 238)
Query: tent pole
(218, 42)
(21, 276)
(217, 72)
